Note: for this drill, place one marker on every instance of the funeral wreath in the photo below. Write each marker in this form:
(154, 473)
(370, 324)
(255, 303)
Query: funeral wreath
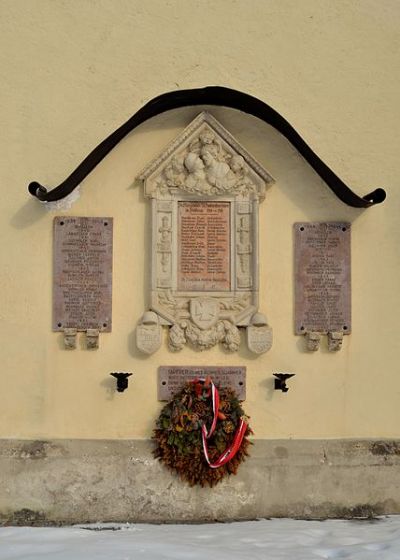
(202, 433)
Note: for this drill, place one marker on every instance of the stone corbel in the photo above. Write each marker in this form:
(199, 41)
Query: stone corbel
(335, 340)
(313, 340)
(92, 339)
(70, 339)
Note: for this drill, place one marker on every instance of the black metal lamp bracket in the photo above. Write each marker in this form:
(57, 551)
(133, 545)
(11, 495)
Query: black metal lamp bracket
(280, 381)
(122, 380)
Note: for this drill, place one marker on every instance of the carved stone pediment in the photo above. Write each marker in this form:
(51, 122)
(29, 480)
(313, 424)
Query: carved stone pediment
(205, 190)
(205, 160)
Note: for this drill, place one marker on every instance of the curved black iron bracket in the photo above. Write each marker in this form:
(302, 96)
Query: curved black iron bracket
(211, 95)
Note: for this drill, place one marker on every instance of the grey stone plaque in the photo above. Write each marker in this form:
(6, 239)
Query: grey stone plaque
(82, 278)
(322, 277)
(172, 378)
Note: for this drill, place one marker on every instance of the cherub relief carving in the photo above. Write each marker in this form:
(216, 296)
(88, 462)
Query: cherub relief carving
(206, 168)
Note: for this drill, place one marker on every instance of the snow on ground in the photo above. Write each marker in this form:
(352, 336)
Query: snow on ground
(274, 539)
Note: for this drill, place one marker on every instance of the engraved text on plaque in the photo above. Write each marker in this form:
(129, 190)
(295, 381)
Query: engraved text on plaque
(322, 277)
(172, 378)
(203, 246)
(82, 273)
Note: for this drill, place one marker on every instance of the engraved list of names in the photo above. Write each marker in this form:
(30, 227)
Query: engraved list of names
(203, 246)
(322, 277)
(82, 280)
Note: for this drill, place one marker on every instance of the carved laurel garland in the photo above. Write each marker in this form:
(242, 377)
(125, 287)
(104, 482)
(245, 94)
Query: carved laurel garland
(223, 332)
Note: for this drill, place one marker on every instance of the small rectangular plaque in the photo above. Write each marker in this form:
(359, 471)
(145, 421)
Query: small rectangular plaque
(172, 378)
(204, 246)
(82, 278)
(322, 277)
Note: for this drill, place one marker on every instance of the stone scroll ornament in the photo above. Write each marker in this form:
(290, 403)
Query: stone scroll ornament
(205, 191)
(202, 433)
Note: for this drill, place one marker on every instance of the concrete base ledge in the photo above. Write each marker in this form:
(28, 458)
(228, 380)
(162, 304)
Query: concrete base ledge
(79, 481)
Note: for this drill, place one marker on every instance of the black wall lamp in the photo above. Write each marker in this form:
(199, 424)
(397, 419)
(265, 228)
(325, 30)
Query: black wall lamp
(122, 380)
(280, 381)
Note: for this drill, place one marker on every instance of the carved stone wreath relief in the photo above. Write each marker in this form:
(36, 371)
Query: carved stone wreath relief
(205, 189)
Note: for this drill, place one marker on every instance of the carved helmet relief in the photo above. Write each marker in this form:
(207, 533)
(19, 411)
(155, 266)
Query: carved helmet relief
(205, 188)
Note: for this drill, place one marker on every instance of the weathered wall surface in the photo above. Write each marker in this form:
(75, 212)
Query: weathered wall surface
(77, 481)
(74, 71)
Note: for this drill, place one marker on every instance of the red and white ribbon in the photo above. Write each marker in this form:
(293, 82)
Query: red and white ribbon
(215, 405)
(234, 447)
(231, 451)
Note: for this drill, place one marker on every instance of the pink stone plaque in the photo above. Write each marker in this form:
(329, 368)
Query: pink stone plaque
(322, 277)
(172, 378)
(82, 277)
(204, 246)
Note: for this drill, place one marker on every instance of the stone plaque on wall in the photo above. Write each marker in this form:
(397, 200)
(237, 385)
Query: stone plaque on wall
(205, 192)
(82, 276)
(172, 378)
(322, 277)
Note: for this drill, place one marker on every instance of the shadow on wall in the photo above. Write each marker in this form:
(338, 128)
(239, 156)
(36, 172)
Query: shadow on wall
(30, 213)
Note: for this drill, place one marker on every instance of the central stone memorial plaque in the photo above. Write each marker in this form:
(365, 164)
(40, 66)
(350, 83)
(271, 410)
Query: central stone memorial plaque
(82, 279)
(205, 192)
(204, 246)
(322, 277)
(172, 378)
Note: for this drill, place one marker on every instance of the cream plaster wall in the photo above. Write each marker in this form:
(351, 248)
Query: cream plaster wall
(72, 71)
